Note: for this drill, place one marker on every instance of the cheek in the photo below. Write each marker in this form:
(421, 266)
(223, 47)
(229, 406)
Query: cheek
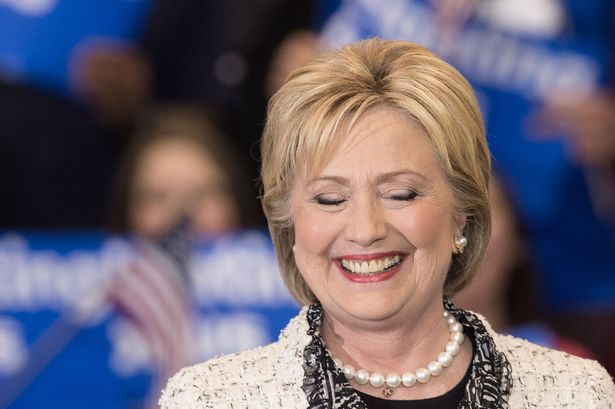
(150, 220)
(430, 232)
(314, 235)
(427, 227)
(216, 215)
(313, 230)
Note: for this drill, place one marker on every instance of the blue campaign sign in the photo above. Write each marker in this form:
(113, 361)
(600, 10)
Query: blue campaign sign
(241, 298)
(76, 329)
(39, 37)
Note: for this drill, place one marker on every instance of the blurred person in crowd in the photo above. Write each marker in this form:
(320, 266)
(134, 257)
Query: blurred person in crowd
(179, 168)
(542, 73)
(74, 78)
(587, 125)
(504, 289)
(71, 77)
(217, 53)
(375, 185)
(299, 46)
(179, 181)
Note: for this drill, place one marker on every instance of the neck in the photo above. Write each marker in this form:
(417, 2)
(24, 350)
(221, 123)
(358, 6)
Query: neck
(372, 345)
(397, 348)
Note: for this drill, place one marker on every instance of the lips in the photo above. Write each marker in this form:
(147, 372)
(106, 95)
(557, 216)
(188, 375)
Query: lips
(369, 268)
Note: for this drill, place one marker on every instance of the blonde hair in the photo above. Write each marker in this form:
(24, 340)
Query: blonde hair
(313, 111)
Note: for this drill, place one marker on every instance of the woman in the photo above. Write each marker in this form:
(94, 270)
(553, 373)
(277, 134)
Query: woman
(178, 169)
(375, 173)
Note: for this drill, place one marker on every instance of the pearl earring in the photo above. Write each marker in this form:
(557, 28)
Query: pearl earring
(460, 244)
(294, 247)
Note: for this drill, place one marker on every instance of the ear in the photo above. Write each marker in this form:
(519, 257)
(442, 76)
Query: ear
(460, 223)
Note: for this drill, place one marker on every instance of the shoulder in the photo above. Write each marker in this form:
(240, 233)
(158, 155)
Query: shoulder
(553, 379)
(267, 377)
(258, 375)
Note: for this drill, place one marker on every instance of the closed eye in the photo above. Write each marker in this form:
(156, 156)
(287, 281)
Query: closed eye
(403, 196)
(328, 200)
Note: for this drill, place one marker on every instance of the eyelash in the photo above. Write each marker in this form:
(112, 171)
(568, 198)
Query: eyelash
(328, 202)
(406, 197)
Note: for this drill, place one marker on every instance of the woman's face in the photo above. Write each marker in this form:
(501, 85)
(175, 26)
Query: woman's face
(374, 229)
(175, 178)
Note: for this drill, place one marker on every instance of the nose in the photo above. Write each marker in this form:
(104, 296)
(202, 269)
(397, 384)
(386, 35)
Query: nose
(366, 222)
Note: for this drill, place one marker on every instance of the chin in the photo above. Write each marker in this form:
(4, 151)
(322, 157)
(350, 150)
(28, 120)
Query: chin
(365, 307)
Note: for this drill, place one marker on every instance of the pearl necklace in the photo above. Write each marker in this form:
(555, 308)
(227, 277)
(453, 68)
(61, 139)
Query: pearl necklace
(408, 379)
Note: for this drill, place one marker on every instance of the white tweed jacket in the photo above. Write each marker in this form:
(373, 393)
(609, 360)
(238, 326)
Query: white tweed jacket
(272, 376)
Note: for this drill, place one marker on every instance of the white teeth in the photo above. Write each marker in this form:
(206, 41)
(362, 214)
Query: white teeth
(370, 267)
(388, 262)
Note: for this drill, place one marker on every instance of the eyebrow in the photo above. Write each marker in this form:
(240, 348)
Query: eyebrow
(327, 178)
(381, 178)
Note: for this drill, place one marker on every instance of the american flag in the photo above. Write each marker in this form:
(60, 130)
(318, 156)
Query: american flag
(150, 290)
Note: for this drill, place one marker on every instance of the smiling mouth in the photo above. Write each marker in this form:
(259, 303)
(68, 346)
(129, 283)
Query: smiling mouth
(371, 267)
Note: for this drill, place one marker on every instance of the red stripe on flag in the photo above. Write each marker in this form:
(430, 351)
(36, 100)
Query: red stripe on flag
(149, 290)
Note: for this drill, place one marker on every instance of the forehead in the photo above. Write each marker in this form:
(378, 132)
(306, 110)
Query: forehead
(380, 140)
(175, 158)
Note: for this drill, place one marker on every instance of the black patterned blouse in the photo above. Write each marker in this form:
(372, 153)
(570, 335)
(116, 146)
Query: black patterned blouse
(488, 387)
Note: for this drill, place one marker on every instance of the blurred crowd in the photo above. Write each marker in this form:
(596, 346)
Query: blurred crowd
(154, 122)
(64, 132)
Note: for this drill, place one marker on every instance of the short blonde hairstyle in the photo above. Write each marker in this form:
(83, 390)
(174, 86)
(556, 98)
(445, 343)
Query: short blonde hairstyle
(314, 110)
